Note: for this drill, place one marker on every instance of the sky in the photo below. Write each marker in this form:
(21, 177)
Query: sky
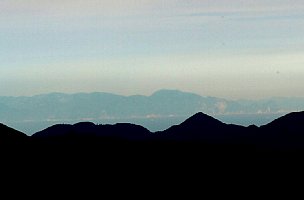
(225, 48)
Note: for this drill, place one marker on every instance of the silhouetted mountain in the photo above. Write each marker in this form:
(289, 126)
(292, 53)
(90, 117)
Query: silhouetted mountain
(9, 136)
(285, 132)
(291, 123)
(195, 127)
(199, 146)
(197, 135)
(202, 127)
(89, 132)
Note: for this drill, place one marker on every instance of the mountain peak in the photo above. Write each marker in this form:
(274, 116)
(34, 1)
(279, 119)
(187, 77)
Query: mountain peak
(166, 92)
(201, 118)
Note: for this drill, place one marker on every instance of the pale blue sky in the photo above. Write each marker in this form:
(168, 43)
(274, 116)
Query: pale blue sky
(226, 48)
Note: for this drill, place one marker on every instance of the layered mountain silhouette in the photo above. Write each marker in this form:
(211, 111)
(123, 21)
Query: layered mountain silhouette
(201, 146)
(48, 109)
(285, 133)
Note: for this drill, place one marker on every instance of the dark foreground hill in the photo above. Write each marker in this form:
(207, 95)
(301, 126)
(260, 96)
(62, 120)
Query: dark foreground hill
(201, 147)
(196, 136)
(11, 137)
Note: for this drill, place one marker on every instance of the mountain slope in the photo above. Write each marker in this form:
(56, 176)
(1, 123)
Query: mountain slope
(290, 123)
(204, 127)
(90, 132)
(285, 132)
(9, 136)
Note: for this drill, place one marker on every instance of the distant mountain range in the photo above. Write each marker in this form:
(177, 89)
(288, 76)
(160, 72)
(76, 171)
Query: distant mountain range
(99, 107)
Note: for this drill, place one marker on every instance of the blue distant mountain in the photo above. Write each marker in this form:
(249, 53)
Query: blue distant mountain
(173, 105)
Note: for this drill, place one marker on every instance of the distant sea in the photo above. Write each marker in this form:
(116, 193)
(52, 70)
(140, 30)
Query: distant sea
(153, 124)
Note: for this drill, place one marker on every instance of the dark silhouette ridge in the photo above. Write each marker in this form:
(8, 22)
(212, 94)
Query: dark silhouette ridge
(290, 123)
(9, 136)
(286, 132)
(195, 127)
(88, 130)
(14, 147)
(201, 119)
(201, 147)
(199, 136)
(198, 127)
(204, 128)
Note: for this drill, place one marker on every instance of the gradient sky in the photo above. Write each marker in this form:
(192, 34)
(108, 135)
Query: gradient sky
(226, 48)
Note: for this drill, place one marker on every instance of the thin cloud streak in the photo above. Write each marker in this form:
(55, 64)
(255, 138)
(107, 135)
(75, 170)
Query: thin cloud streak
(202, 46)
(129, 7)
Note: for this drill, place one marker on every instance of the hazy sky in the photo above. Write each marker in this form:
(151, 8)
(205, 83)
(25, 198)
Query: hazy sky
(226, 48)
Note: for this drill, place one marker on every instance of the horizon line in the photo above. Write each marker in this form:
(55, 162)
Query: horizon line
(151, 94)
